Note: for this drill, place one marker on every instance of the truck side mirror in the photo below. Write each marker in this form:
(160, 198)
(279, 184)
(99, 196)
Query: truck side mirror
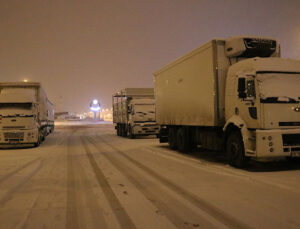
(242, 88)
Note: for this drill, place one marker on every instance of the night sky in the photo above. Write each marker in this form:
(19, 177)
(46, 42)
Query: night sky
(80, 50)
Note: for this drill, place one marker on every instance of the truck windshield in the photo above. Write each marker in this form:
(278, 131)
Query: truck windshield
(279, 87)
(145, 108)
(18, 106)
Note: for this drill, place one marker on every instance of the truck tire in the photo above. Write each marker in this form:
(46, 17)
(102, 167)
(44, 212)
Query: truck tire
(125, 130)
(44, 134)
(37, 143)
(183, 143)
(121, 130)
(235, 150)
(118, 129)
(131, 134)
(38, 140)
(172, 135)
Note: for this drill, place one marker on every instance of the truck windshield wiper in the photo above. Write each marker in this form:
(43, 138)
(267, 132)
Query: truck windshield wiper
(16, 115)
(275, 100)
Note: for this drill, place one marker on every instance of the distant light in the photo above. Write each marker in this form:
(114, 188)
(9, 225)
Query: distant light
(95, 108)
(25, 80)
(95, 105)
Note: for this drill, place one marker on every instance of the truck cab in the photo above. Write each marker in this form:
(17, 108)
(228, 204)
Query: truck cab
(142, 117)
(263, 94)
(134, 112)
(18, 119)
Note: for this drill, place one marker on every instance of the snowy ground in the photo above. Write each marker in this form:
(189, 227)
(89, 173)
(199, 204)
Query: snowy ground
(79, 122)
(84, 176)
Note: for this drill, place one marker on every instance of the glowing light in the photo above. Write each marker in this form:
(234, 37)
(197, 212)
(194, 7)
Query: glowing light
(95, 101)
(95, 108)
(25, 80)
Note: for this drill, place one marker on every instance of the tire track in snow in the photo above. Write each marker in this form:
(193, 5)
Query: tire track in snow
(216, 213)
(16, 188)
(119, 211)
(2, 179)
(72, 214)
(159, 199)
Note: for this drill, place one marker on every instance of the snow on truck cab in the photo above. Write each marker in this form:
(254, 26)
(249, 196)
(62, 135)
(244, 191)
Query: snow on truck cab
(26, 115)
(242, 97)
(134, 112)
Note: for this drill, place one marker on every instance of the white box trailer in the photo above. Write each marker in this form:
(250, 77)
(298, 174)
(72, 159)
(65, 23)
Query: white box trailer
(27, 115)
(224, 96)
(134, 112)
(190, 91)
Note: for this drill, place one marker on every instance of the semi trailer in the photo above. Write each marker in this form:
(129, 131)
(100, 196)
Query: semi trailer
(235, 95)
(26, 114)
(134, 112)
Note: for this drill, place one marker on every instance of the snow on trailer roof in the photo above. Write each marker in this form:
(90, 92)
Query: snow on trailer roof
(273, 64)
(18, 84)
(205, 46)
(135, 92)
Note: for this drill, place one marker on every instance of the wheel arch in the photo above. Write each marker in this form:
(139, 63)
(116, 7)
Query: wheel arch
(236, 123)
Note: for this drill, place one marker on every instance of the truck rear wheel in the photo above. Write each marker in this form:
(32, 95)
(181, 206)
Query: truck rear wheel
(235, 150)
(131, 134)
(118, 129)
(183, 143)
(125, 130)
(172, 138)
(121, 130)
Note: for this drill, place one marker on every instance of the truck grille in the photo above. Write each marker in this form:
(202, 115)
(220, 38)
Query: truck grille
(13, 127)
(291, 139)
(14, 136)
(289, 123)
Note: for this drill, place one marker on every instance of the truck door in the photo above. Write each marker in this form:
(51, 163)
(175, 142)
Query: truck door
(248, 106)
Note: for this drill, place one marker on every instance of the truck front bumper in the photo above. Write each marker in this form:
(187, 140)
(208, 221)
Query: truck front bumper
(145, 129)
(278, 143)
(15, 137)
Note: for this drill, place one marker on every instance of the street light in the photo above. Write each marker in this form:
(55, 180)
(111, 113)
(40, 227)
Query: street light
(95, 107)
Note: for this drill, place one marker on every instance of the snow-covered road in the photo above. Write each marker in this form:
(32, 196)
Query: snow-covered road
(84, 176)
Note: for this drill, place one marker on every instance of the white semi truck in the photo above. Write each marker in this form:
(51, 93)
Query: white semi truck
(235, 95)
(134, 112)
(26, 114)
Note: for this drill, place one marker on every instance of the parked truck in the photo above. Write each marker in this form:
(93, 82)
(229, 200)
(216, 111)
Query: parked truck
(235, 95)
(134, 112)
(26, 114)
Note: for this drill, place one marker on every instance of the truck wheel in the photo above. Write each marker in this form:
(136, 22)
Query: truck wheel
(125, 130)
(37, 143)
(183, 143)
(44, 134)
(235, 150)
(38, 140)
(172, 135)
(121, 130)
(118, 129)
(131, 135)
